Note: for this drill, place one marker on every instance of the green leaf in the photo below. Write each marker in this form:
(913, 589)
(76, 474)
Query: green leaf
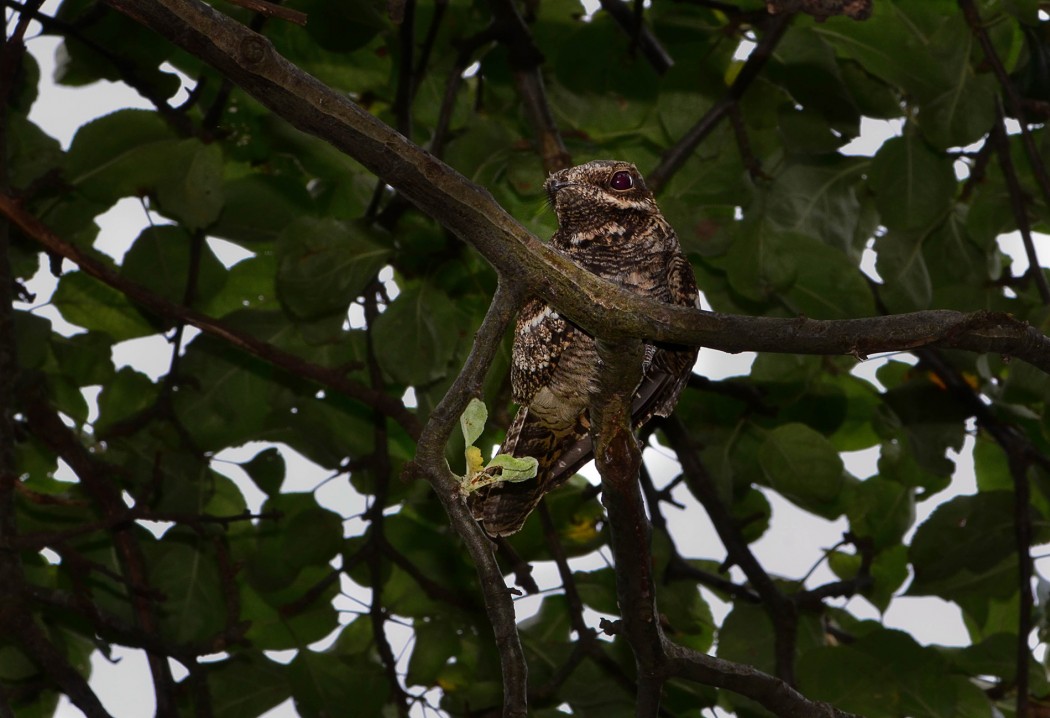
(436, 645)
(324, 685)
(290, 618)
(191, 189)
(902, 265)
(597, 589)
(165, 260)
(182, 569)
(688, 617)
(119, 154)
(92, 305)
(817, 198)
(418, 335)
(85, 358)
(515, 468)
(880, 510)
(32, 152)
(746, 637)
(850, 680)
(258, 207)
(247, 685)
(966, 547)
(807, 276)
(913, 185)
(804, 467)
(128, 393)
(227, 397)
(267, 470)
(324, 264)
(962, 114)
(894, 43)
(472, 420)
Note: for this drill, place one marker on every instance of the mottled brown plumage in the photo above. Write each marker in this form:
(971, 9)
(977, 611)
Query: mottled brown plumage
(608, 223)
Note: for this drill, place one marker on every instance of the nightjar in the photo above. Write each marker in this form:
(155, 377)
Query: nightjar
(609, 224)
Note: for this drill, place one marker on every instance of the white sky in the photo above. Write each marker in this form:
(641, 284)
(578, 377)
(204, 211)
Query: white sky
(793, 544)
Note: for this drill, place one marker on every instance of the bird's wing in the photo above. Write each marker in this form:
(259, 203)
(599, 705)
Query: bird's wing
(541, 337)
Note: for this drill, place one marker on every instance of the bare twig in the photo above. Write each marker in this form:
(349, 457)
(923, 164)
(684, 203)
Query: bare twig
(16, 619)
(1021, 454)
(677, 567)
(48, 427)
(525, 61)
(676, 155)
(333, 378)
(781, 609)
(1013, 100)
(823, 9)
(1018, 206)
(640, 35)
(381, 471)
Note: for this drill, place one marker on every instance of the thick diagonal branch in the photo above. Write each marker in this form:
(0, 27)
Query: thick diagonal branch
(599, 307)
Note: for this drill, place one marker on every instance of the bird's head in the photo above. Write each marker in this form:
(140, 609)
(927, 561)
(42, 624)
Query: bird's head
(596, 189)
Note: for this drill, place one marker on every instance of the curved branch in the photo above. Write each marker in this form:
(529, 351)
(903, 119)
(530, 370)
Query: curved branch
(330, 377)
(774, 694)
(1001, 144)
(430, 463)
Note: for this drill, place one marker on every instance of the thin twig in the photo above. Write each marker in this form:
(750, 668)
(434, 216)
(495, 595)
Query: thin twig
(1020, 455)
(1017, 204)
(525, 61)
(676, 155)
(333, 378)
(781, 609)
(1013, 100)
(641, 36)
(381, 472)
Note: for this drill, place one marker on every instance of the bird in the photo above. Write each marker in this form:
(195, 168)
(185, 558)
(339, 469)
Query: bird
(609, 224)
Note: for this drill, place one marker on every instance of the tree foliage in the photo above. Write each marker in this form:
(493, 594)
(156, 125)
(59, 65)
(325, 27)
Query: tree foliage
(372, 299)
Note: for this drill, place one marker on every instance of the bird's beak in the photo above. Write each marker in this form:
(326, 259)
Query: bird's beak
(552, 186)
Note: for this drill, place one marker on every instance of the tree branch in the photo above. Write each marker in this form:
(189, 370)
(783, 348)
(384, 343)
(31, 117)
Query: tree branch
(774, 694)
(430, 463)
(618, 459)
(47, 426)
(676, 155)
(601, 308)
(782, 611)
(330, 377)
(271, 9)
(1013, 100)
(525, 61)
(640, 35)
(1001, 144)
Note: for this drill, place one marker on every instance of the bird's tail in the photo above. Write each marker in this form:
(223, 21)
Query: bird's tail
(503, 507)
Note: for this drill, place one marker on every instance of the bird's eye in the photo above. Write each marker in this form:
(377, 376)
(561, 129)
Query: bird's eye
(622, 180)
